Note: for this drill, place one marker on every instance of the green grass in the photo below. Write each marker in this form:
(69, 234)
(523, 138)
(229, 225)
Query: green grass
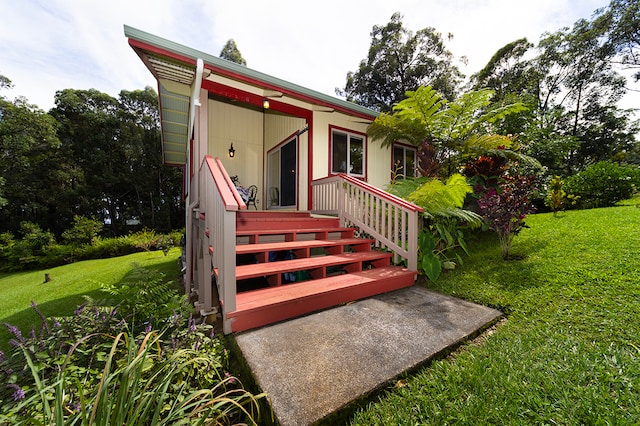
(69, 283)
(569, 352)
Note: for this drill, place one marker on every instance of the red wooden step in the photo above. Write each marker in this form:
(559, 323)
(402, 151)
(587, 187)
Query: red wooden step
(283, 223)
(303, 248)
(291, 234)
(266, 306)
(315, 266)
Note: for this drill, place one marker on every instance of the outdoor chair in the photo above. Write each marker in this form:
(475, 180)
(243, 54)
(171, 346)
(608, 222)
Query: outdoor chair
(253, 193)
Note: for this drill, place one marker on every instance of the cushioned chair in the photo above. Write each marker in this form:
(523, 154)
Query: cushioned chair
(253, 193)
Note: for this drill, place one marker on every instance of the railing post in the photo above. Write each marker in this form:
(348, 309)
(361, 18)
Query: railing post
(341, 201)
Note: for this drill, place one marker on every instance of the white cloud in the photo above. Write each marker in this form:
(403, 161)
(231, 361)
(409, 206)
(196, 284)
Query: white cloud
(49, 45)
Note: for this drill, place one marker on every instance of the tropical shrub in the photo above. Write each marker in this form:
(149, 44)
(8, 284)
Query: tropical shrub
(443, 219)
(504, 208)
(603, 184)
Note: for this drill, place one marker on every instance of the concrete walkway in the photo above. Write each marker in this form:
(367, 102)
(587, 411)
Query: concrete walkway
(313, 366)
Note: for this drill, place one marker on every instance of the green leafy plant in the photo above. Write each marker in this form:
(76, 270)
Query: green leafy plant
(91, 369)
(603, 184)
(83, 231)
(145, 296)
(443, 218)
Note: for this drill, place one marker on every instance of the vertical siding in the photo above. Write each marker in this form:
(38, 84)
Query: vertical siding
(378, 158)
(243, 127)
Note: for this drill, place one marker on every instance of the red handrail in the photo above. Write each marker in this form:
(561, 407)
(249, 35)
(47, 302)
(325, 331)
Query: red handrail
(228, 192)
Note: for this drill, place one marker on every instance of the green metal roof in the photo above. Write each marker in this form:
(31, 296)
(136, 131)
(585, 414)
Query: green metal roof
(161, 57)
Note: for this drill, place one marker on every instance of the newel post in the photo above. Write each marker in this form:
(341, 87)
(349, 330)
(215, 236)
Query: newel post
(412, 260)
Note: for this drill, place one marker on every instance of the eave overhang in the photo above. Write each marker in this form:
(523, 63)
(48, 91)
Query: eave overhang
(174, 67)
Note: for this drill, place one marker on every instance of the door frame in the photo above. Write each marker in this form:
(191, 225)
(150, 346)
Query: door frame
(294, 138)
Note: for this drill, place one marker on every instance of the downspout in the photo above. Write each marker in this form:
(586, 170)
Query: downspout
(193, 193)
(195, 95)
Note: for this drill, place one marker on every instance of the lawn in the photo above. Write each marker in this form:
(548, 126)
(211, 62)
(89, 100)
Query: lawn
(68, 285)
(569, 351)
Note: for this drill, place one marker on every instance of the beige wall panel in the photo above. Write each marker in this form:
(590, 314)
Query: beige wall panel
(243, 127)
(378, 158)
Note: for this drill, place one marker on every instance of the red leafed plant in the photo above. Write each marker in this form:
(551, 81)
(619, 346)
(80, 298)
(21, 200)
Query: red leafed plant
(504, 208)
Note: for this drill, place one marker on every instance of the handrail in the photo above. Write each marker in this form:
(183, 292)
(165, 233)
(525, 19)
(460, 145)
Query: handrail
(230, 196)
(390, 220)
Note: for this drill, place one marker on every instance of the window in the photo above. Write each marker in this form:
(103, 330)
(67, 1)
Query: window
(404, 161)
(348, 153)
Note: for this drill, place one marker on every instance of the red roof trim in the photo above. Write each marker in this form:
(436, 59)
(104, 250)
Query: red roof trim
(140, 47)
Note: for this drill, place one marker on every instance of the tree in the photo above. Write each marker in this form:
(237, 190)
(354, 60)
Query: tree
(447, 133)
(231, 53)
(117, 162)
(619, 23)
(401, 61)
(28, 187)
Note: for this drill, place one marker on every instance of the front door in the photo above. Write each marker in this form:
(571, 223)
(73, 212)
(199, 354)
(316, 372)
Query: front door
(282, 172)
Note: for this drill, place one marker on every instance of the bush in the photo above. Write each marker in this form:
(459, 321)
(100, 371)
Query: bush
(504, 208)
(603, 184)
(94, 368)
(83, 231)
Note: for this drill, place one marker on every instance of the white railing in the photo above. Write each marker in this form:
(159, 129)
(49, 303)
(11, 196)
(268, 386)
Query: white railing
(390, 220)
(219, 201)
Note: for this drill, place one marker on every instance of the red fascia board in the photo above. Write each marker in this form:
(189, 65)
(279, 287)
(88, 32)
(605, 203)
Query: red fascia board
(140, 47)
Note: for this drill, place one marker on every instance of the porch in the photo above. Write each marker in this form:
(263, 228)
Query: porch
(254, 268)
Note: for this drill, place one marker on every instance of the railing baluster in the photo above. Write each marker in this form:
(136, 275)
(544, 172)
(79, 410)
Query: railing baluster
(390, 220)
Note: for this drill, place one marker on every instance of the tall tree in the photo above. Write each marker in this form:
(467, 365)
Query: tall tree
(115, 147)
(447, 133)
(399, 61)
(156, 197)
(620, 24)
(230, 52)
(27, 140)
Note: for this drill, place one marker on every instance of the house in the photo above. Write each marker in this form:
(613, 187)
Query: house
(320, 230)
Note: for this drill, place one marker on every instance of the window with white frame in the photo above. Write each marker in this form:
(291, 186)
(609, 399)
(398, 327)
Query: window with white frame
(404, 161)
(348, 153)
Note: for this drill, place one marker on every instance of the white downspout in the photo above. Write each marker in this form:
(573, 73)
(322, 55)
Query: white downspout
(193, 194)
(195, 95)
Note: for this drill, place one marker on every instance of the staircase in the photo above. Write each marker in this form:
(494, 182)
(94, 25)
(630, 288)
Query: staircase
(292, 263)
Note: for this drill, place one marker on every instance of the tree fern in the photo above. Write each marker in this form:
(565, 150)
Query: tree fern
(439, 199)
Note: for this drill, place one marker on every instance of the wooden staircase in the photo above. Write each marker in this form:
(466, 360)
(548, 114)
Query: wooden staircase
(291, 263)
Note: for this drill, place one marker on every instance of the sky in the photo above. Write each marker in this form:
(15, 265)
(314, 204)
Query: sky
(50, 45)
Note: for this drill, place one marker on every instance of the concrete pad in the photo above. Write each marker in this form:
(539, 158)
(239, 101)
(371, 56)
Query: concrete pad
(312, 366)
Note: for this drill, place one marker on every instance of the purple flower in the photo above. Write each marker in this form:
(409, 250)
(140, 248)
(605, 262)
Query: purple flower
(147, 328)
(15, 331)
(32, 333)
(2, 358)
(80, 309)
(56, 323)
(232, 379)
(18, 393)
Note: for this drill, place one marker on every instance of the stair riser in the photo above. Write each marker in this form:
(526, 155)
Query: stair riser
(294, 308)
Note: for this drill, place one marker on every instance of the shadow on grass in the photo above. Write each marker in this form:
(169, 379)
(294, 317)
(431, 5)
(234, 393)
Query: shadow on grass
(27, 318)
(487, 279)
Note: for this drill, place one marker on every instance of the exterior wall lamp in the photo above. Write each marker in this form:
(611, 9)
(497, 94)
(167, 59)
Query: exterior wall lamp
(232, 152)
(265, 103)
